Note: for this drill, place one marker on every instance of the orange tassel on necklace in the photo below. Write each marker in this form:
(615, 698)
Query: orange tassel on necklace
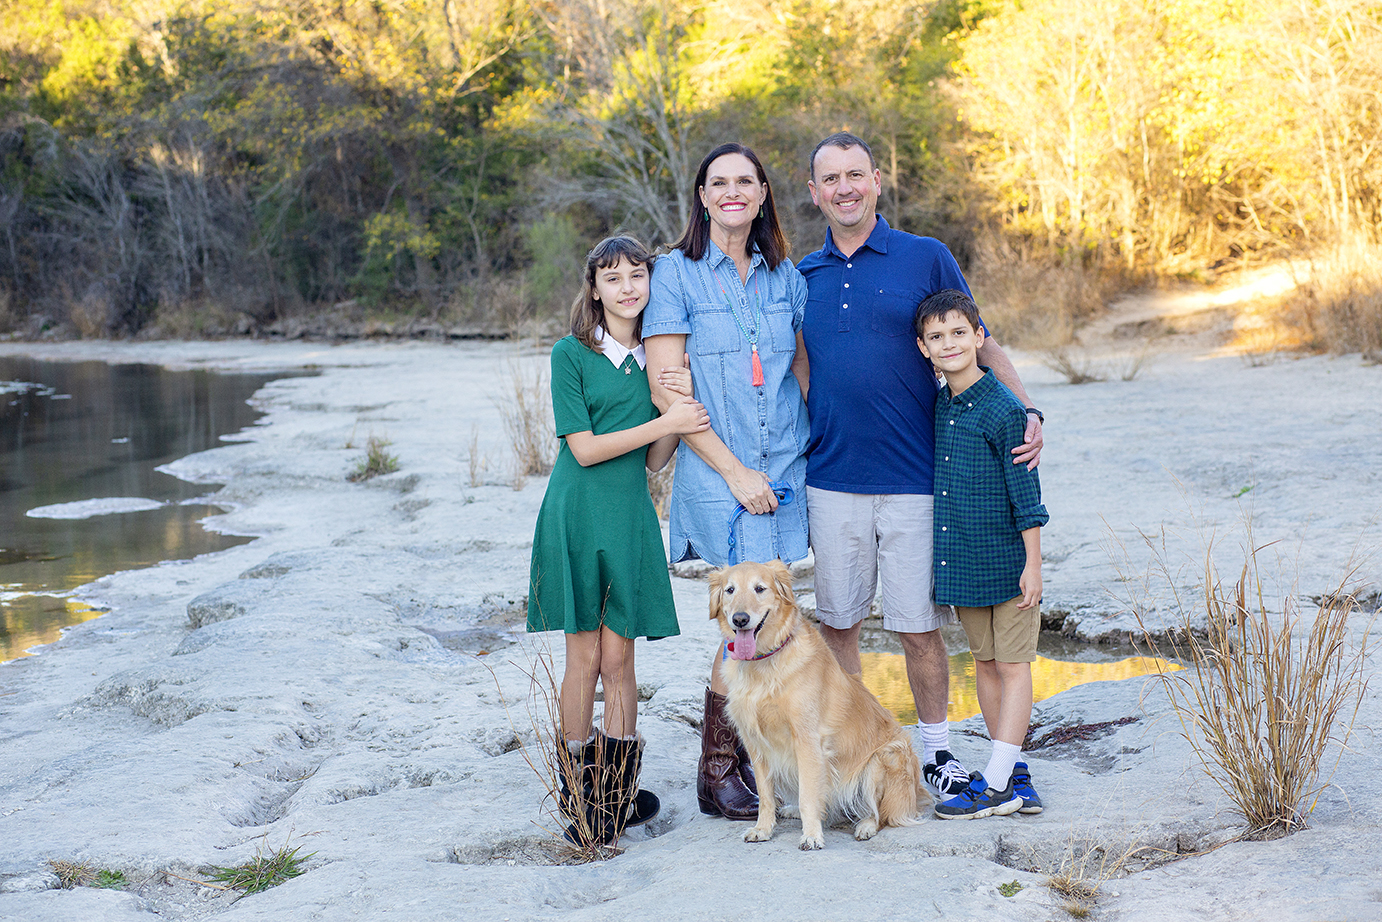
(757, 366)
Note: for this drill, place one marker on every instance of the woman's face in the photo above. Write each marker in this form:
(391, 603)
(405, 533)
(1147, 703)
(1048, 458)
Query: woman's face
(732, 193)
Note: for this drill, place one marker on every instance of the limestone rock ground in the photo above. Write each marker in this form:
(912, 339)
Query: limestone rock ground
(355, 681)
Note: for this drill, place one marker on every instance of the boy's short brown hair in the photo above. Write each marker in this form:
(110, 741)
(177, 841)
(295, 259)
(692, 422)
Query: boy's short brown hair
(943, 302)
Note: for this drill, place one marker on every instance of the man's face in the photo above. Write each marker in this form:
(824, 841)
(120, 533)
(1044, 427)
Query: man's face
(844, 187)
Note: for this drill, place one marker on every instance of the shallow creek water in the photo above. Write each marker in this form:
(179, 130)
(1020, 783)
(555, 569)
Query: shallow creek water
(74, 433)
(1060, 665)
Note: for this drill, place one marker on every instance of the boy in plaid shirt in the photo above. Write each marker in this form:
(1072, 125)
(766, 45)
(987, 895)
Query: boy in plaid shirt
(988, 518)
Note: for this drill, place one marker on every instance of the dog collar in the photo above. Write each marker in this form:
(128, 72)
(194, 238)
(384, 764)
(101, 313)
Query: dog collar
(729, 645)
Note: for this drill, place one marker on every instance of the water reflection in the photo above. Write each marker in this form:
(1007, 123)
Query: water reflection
(32, 620)
(84, 430)
(885, 674)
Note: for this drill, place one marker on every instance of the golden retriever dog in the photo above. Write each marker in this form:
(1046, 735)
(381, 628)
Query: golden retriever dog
(810, 729)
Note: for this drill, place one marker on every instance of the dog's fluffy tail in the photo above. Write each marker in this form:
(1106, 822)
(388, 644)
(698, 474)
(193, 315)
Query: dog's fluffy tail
(892, 781)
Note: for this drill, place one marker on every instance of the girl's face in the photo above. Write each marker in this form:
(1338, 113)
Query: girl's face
(732, 193)
(622, 289)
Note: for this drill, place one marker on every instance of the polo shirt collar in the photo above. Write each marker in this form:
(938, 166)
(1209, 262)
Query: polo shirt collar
(878, 238)
(616, 352)
(714, 256)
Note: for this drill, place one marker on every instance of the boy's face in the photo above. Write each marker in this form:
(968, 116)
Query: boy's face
(950, 343)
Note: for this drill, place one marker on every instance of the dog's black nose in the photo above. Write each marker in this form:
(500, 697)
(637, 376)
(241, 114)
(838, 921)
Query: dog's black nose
(740, 620)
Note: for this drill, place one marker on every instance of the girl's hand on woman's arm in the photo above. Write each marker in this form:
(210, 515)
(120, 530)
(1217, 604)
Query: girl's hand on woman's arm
(686, 416)
(678, 379)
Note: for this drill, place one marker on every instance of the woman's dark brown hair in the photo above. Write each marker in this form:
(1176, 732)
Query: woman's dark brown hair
(765, 235)
(587, 312)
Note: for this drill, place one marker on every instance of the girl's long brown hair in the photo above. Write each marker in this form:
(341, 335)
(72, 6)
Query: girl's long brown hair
(586, 311)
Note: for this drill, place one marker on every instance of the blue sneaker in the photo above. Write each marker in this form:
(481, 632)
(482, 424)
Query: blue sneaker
(979, 800)
(1022, 786)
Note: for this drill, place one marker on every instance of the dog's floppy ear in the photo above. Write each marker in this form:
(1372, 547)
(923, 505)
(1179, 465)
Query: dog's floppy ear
(717, 592)
(782, 581)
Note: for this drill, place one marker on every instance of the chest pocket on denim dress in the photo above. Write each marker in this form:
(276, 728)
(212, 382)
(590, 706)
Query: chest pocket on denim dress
(892, 311)
(713, 329)
(777, 318)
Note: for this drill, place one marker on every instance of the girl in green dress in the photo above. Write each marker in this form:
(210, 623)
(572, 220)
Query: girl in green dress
(599, 571)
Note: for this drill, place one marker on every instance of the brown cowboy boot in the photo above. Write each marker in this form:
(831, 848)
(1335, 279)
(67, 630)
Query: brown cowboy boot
(745, 765)
(720, 787)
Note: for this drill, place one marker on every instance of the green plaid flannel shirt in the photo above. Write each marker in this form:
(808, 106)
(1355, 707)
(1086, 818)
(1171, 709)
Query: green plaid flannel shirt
(983, 501)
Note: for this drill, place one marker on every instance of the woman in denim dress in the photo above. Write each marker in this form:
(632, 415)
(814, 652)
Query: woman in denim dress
(728, 300)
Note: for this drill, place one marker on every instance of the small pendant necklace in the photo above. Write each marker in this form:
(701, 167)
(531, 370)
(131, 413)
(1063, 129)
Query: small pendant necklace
(757, 366)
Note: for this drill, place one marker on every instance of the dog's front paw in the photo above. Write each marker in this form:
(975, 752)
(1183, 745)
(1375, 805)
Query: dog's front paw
(789, 811)
(758, 834)
(866, 829)
(811, 843)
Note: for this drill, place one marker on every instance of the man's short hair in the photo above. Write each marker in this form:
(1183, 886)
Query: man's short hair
(844, 141)
(943, 302)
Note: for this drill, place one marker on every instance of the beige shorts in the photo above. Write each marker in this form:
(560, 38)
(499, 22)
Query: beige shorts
(1001, 632)
(867, 541)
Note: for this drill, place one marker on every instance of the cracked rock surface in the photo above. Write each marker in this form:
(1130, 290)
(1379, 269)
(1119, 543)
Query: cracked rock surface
(356, 681)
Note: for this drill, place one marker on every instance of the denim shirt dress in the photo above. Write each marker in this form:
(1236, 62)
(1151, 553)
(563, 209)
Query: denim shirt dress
(764, 426)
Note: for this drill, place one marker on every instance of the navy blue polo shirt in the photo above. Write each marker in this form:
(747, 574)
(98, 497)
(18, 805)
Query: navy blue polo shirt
(872, 399)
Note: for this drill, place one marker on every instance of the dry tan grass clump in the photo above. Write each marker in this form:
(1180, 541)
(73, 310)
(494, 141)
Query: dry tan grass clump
(526, 410)
(1336, 307)
(1073, 364)
(1341, 301)
(1037, 304)
(1267, 695)
(1089, 861)
(73, 874)
(552, 760)
(477, 462)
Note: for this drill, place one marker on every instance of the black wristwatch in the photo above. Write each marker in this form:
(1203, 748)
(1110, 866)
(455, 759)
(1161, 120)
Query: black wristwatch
(1033, 410)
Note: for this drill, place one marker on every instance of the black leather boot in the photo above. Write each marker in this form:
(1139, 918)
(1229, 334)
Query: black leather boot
(622, 804)
(578, 768)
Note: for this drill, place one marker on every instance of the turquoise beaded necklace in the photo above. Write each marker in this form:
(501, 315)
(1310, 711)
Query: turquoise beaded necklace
(755, 306)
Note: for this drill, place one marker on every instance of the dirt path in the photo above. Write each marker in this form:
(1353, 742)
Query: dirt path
(1188, 319)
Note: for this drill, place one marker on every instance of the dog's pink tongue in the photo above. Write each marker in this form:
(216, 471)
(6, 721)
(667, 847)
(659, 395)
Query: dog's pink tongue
(745, 645)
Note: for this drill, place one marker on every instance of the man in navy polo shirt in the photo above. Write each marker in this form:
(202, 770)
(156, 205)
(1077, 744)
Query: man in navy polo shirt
(870, 461)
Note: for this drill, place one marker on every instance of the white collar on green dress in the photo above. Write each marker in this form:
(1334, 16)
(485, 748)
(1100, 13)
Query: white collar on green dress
(616, 352)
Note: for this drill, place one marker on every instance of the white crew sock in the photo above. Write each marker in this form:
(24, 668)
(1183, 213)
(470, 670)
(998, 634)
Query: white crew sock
(1000, 767)
(934, 737)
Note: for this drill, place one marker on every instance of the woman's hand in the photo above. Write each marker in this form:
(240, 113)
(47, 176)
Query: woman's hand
(678, 380)
(753, 490)
(686, 416)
